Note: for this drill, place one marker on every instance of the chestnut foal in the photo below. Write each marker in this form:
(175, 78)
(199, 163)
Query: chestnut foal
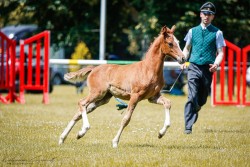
(133, 82)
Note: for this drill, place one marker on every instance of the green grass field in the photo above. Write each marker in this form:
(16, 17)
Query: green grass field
(29, 135)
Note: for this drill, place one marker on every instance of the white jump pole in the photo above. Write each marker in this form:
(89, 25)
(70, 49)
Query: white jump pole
(102, 30)
(99, 62)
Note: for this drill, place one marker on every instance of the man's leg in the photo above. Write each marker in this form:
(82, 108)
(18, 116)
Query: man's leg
(190, 117)
(206, 85)
(192, 107)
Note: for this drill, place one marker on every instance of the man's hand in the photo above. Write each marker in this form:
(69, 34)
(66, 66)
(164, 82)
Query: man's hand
(184, 65)
(213, 67)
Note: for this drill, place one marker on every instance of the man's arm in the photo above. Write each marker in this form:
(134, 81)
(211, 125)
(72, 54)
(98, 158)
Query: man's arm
(186, 52)
(219, 58)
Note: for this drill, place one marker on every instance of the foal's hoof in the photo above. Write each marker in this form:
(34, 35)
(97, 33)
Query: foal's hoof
(61, 141)
(78, 136)
(114, 144)
(160, 136)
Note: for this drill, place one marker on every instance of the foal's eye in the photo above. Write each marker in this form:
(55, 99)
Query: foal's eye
(170, 45)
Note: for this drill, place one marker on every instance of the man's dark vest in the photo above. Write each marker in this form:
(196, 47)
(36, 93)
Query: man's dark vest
(203, 45)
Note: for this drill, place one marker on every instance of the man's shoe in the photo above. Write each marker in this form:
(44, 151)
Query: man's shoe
(188, 131)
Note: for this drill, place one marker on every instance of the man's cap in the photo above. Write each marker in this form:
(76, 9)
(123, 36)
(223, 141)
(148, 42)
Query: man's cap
(208, 8)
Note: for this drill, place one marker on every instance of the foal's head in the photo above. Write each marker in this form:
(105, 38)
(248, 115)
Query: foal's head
(170, 45)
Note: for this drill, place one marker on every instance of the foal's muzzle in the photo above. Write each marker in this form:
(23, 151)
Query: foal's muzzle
(181, 60)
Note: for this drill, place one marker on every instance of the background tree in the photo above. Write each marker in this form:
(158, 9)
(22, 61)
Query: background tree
(131, 24)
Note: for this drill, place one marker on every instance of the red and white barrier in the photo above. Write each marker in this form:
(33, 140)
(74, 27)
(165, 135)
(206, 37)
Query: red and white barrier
(30, 51)
(231, 78)
(245, 52)
(7, 68)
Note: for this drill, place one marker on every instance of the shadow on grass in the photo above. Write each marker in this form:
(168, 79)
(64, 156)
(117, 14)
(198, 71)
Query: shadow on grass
(194, 147)
(138, 145)
(144, 145)
(176, 147)
(28, 161)
(225, 131)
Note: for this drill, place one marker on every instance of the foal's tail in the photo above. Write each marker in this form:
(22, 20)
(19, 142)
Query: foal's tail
(78, 76)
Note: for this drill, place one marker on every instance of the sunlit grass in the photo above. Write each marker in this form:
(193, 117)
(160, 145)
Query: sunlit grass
(29, 135)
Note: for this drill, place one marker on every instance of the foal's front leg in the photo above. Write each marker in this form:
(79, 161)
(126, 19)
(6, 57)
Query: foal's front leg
(167, 105)
(126, 119)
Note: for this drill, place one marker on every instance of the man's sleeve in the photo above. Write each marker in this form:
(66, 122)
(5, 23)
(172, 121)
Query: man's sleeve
(220, 42)
(188, 37)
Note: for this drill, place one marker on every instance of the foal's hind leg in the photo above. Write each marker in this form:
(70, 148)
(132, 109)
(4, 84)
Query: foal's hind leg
(78, 116)
(70, 125)
(86, 107)
(167, 105)
(86, 125)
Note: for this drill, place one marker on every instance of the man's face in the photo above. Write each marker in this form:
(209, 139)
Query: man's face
(206, 18)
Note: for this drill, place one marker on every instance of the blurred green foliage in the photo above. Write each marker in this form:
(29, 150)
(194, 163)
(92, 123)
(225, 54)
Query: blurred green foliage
(131, 24)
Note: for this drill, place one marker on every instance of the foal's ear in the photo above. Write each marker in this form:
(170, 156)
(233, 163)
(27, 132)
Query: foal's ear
(163, 29)
(173, 28)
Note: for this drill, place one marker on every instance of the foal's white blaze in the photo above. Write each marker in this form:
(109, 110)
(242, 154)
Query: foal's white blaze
(178, 45)
(177, 42)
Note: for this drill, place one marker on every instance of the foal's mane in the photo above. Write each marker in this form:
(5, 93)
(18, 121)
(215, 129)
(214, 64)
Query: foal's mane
(158, 40)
